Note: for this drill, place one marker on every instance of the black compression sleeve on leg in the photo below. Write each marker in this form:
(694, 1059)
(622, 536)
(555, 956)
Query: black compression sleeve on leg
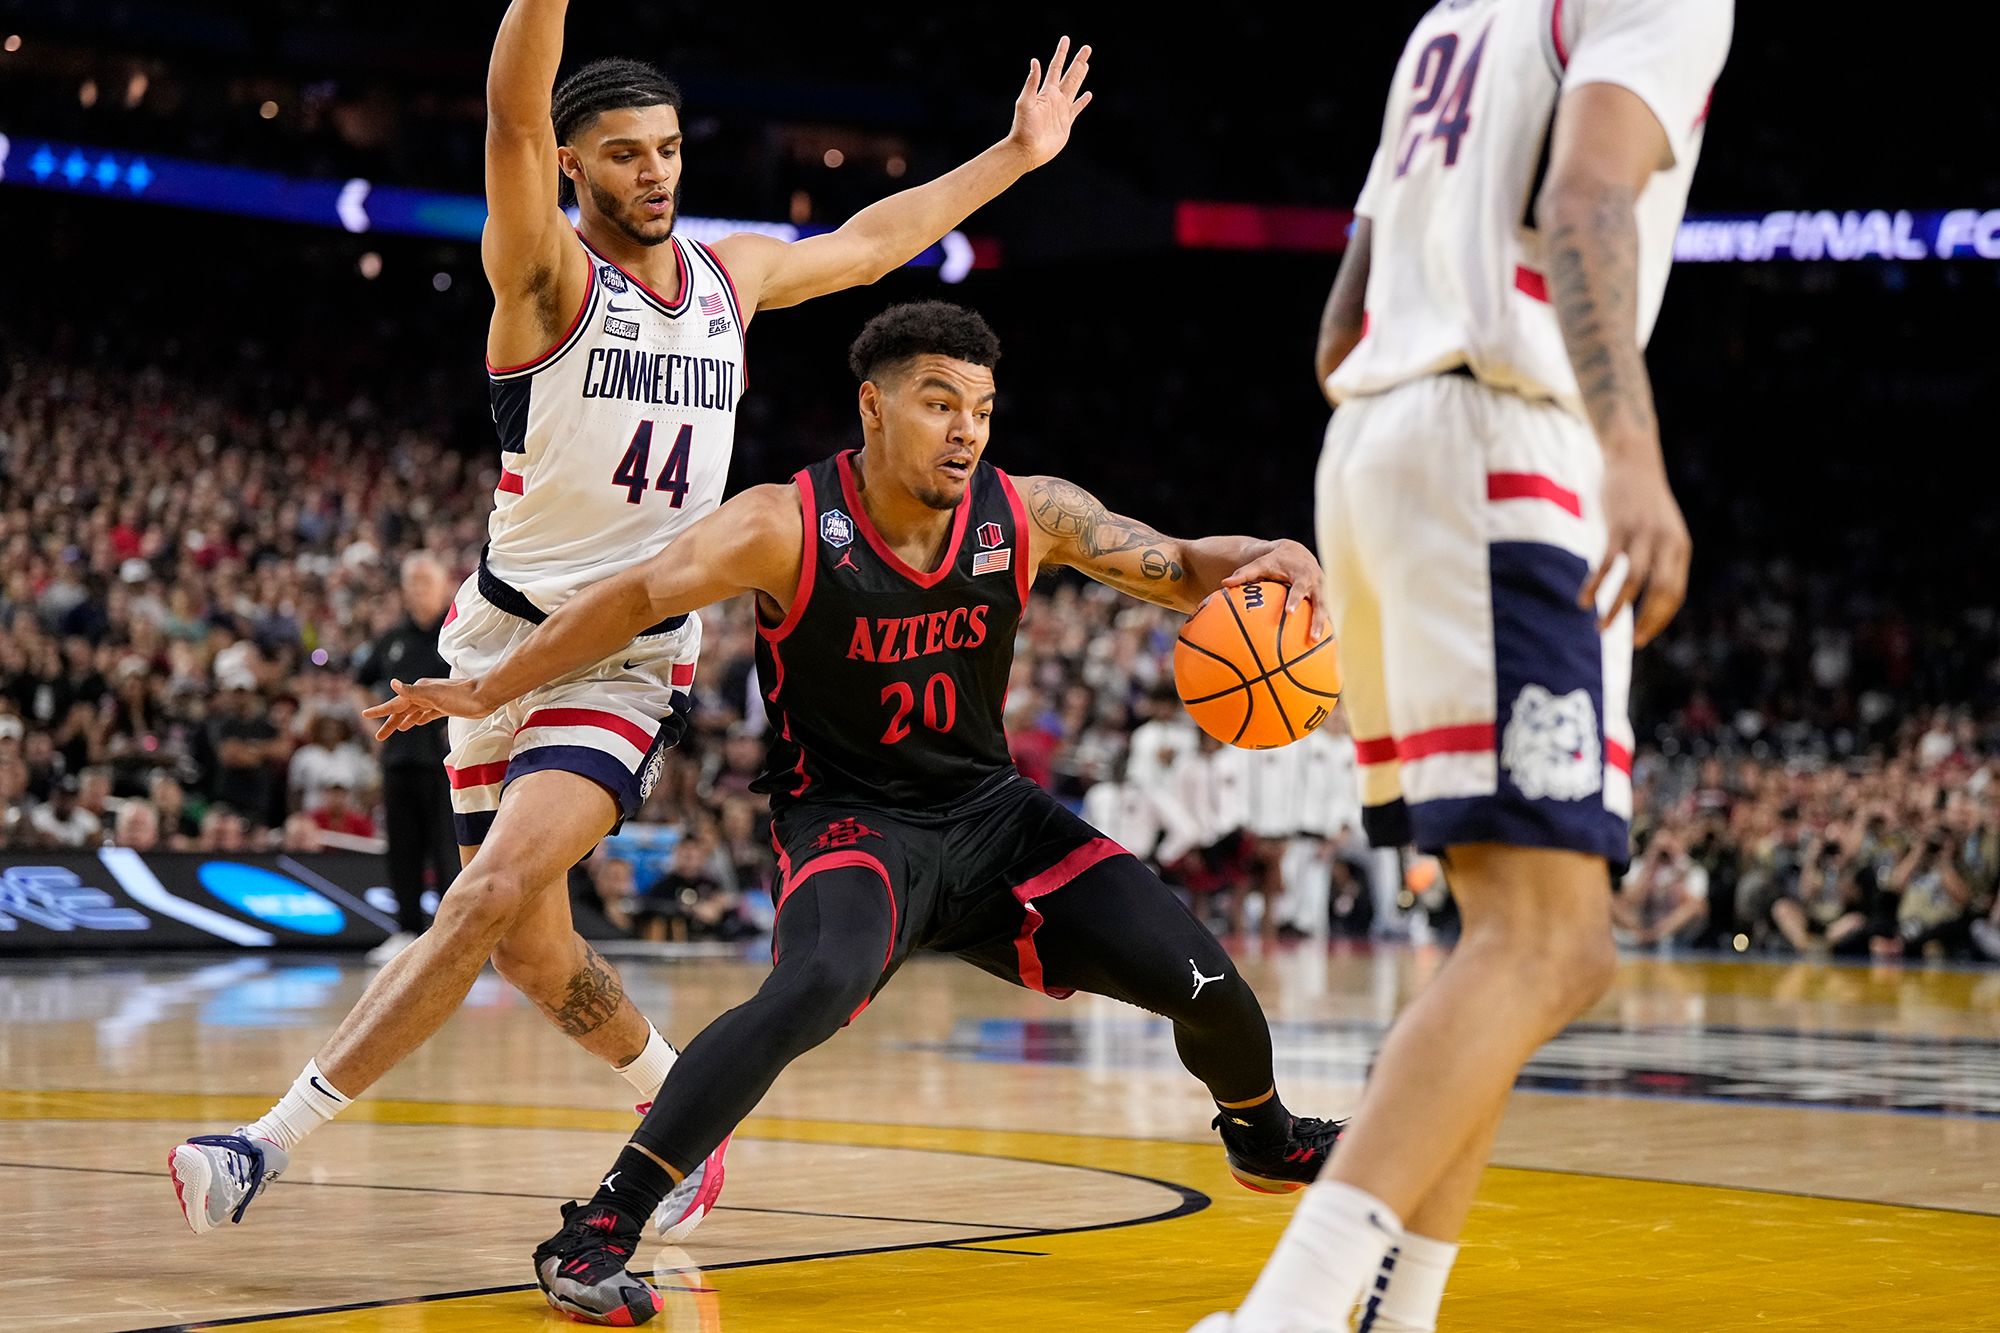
(1116, 930)
(832, 937)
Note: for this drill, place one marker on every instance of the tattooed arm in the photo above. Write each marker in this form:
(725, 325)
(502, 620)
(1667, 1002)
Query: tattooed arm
(1605, 146)
(1070, 526)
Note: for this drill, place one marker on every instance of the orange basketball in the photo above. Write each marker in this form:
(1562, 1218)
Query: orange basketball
(1248, 672)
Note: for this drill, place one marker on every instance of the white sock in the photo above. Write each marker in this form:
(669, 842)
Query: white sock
(1328, 1254)
(311, 1103)
(648, 1069)
(1410, 1287)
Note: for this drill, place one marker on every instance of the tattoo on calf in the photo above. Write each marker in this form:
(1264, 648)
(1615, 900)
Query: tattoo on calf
(594, 997)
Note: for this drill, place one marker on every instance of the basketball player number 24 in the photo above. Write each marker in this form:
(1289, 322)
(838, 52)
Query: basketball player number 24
(1450, 113)
(634, 468)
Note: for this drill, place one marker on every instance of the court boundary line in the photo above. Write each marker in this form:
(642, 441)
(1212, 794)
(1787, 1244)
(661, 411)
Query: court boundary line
(511, 1194)
(1190, 1202)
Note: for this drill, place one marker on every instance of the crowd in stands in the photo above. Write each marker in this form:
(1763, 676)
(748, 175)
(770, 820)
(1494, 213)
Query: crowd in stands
(185, 587)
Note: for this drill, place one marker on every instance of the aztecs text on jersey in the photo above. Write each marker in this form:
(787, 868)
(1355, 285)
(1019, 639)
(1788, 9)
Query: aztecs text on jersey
(885, 684)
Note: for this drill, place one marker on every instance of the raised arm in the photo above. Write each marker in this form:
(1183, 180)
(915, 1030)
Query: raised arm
(770, 273)
(750, 544)
(1072, 527)
(527, 248)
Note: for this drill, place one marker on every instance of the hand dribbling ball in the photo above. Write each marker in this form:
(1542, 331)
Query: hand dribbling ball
(1249, 672)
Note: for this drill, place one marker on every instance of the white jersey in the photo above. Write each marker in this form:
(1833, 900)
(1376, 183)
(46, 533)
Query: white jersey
(1456, 272)
(619, 436)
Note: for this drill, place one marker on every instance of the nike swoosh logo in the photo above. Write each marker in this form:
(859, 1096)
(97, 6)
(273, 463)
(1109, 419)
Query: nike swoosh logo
(631, 666)
(620, 309)
(314, 1080)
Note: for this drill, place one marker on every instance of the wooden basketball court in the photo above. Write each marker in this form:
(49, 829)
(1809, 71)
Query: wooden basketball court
(1718, 1147)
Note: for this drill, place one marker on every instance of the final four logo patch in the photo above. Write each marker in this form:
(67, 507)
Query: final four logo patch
(836, 529)
(613, 280)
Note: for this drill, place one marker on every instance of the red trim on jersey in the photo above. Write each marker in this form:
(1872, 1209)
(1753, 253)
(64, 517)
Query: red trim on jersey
(680, 270)
(1531, 283)
(889, 557)
(1468, 738)
(590, 717)
(1366, 321)
(512, 483)
(1556, 33)
(589, 289)
(1618, 756)
(1375, 750)
(1062, 872)
(808, 569)
(682, 675)
(851, 857)
(1024, 570)
(1532, 486)
(450, 615)
(477, 775)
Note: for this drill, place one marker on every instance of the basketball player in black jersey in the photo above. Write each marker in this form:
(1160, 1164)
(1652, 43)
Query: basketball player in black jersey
(889, 583)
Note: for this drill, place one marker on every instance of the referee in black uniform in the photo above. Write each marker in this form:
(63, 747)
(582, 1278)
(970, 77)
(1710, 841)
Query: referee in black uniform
(415, 798)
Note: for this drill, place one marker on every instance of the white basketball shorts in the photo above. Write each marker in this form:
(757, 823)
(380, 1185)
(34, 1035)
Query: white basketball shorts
(611, 722)
(1456, 526)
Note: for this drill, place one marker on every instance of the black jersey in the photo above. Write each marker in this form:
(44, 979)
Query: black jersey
(884, 685)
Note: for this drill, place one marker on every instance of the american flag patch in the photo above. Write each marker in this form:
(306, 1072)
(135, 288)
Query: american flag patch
(992, 562)
(711, 303)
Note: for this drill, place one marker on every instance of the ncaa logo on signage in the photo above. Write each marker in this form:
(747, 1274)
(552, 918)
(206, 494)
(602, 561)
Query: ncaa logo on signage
(835, 528)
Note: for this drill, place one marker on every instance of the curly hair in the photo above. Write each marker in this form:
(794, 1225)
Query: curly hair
(904, 332)
(606, 85)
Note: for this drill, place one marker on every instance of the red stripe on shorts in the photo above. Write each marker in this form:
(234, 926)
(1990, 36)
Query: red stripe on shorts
(476, 775)
(1532, 486)
(631, 731)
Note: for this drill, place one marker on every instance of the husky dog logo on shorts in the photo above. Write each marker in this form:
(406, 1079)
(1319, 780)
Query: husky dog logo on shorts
(649, 776)
(836, 529)
(613, 280)
(1551, 747)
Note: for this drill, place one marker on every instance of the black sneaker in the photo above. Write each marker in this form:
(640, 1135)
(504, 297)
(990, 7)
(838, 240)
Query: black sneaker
(581, 1269)
(1280, 1168)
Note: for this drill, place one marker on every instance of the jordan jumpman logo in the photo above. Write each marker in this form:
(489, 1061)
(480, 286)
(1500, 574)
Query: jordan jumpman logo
(847, 561)
(1200, 980)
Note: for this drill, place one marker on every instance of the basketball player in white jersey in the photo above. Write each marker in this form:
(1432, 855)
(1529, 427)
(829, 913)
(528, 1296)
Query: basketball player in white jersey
(1492, 508)
(616, 361)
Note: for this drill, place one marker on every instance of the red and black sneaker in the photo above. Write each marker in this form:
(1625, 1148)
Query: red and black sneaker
(581, 1269)
(1288, 1164)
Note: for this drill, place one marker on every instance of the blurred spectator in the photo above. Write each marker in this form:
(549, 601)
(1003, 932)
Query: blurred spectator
(180, 825)
(688, 902)
(64, 823)
(416, 799)
(1663, 900)
(137, 826)
(329, 758)
(601, 893)
(1825, 908)
(337, 813)
(247, 747)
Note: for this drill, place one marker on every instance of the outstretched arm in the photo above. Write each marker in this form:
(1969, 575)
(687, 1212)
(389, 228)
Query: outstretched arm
(770, 273)
(526, 242)
(750, 544)
(1073, 528)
